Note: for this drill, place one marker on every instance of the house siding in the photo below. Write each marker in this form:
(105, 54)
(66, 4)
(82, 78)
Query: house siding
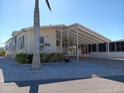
(49, 35)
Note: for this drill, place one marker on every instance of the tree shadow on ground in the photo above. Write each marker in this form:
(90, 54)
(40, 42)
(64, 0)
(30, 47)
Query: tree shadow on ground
(34, 85)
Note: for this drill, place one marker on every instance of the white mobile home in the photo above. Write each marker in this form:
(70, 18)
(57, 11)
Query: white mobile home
(75, 40)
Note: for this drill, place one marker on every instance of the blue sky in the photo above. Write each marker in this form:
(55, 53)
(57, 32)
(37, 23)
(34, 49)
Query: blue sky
(105, 17)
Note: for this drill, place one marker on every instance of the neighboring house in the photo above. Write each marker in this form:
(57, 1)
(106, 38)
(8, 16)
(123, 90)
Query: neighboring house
(75, 39)
(9, 47)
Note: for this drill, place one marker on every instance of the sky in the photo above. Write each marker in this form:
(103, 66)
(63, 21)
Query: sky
(105, 17)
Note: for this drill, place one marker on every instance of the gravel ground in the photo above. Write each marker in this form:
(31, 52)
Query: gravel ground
(10, 71)
(86, 76)
(112, 62)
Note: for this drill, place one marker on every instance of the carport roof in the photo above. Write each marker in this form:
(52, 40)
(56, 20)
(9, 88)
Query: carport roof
(82, 33)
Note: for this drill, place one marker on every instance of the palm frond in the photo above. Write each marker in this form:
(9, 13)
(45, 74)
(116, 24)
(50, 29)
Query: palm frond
(48, 5)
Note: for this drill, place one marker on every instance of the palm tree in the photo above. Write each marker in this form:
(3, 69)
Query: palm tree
(36, 64)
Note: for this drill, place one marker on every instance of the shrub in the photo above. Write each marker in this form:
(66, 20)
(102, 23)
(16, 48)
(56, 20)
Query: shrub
(23, 58)
(60, 57)
(2, 53)
(43, 58)
(52, 57)
(55, 57)
(29, 58)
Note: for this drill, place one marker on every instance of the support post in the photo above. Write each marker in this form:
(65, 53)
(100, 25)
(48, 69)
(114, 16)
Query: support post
(61, 39)
(77, 44)
(68, 40)
(115, 47)
(108, 49)
(87, 49)
(91, 48)
(97, 49)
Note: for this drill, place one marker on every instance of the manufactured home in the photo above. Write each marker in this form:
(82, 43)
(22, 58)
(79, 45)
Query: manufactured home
(74, 40)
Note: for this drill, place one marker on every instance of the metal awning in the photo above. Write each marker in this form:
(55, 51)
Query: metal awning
(85, 35)
(80, 35)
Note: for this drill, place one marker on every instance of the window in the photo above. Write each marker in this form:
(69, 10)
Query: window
(102, 47)
(58, 43)
(112, 47)
(119, 46)
(84, 49)
(122, 46)
(93, 47)
(14, 44)
(89, 48)
(6, 47)
(21, 42)
(41, 48)
(10, 46)
(42, 40)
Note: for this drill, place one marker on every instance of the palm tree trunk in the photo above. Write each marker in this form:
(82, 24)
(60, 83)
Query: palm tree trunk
(36, 64)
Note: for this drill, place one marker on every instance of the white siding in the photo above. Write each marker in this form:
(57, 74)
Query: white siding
(105, 54)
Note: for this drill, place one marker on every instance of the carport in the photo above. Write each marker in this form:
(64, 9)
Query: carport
(79, 37)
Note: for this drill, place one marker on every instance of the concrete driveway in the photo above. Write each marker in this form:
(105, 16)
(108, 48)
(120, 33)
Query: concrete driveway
(61, 77)
(90, 85)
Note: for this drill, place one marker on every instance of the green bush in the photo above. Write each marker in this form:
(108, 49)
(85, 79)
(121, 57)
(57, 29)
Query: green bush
(2, 53)
(29, 58)
(54, 57)
(21, 58)
(60, 57)
(45, 58)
